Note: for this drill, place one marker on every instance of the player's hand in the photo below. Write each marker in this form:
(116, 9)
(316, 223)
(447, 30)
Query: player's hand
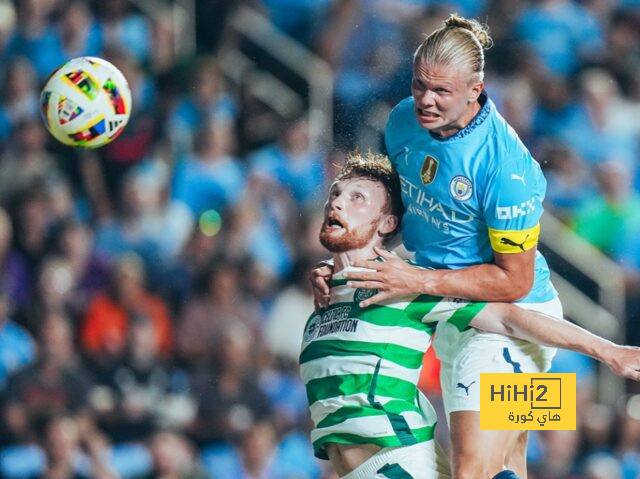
(625, 361)
(392, 277)
(320, 277)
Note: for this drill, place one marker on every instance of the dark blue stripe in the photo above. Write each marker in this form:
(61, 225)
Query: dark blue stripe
(507, 357)
(398, 423)
(506, 475)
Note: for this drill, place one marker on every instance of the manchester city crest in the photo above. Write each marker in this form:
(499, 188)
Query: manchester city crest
(429, 170)
(461, 188)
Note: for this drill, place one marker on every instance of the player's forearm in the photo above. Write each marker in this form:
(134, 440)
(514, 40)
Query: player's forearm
(547, 330)
(484, 282)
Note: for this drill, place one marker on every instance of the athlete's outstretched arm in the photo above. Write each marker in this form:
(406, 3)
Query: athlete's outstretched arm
(511, 320)
(508, 279)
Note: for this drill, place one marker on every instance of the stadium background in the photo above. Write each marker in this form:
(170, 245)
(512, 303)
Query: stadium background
(153, 292)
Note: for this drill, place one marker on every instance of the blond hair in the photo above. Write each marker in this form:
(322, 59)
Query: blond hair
(459, 42)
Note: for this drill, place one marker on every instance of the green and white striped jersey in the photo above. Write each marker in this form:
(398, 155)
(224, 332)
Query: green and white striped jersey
(361, 367)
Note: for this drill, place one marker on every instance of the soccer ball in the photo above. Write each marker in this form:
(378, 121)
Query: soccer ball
(86, 102)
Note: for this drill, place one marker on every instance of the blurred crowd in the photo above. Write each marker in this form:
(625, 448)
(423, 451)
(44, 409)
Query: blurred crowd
(153, 292)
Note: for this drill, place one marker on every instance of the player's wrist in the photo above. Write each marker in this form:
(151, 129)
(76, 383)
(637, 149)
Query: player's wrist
(426, 282)
(606, 352)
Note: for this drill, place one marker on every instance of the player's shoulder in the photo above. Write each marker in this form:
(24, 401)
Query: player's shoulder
(402, 108)
(401, 119)
(401, 126)
(509, 149)
(503, 134)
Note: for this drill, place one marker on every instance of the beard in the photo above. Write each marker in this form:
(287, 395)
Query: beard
(348, 239)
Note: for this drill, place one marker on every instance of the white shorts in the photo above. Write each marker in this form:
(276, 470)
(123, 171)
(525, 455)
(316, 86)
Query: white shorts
(491, 353)
(425, 460)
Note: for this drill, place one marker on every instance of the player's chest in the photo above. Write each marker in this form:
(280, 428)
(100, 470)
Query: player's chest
(440, 179)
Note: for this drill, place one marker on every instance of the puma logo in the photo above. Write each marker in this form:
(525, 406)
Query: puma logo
(518, 177)
(513, 243)
(466, 388)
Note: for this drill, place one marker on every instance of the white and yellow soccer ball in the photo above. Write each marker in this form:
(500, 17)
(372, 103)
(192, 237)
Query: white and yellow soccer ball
(86, 102)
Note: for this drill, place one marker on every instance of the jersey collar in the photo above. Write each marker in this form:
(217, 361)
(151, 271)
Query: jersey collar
(480, 117)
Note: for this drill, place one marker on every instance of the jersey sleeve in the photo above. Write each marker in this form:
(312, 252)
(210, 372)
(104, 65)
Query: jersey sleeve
(513, 204)
(455, 311)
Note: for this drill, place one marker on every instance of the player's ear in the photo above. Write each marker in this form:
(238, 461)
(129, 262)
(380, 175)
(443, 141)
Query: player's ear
(388, 225)
(476, 89)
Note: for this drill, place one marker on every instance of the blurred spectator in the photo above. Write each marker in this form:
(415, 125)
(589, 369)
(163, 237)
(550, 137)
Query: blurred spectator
(558, 115)
(79, 34)
(150, 223)
(560, 454)
(206, 103)
(181, 278)
(602, 466)
(26, 162)
(291, 308)
(7, 21)
(597, 428)
(173, 458)
(223, 303)
(299, 19)
(64, 455)
(75, 242)
(34, 37)
(517, 105)
(32, 222)
(292, 163)
(280, 381)
(17, 349)
(55, 285)
(611, 129)
(141, 391)
(603, 219)
(628, 427)
(59, 193)
(561, 33)
(569, 182)
(229, 397)
(211, 178)
(256, 227)
(13, 270)
(19, 97)
(122, 26)
(371, 64)
(56, 384)
(106, 324)
(260, 453)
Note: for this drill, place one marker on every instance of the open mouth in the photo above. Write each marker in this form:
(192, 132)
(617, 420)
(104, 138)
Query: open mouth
(427, 115)
(333, 224)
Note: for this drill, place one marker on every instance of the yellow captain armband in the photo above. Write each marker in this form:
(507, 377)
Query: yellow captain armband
(510, 241)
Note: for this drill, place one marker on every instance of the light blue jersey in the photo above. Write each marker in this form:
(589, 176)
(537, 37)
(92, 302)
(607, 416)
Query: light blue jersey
(469, 195)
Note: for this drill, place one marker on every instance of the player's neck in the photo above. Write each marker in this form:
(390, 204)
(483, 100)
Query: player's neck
(462, 123)
(346, 259)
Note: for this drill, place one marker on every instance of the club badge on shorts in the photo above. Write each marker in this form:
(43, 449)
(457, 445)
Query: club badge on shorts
(461, 188)
(429, 170)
